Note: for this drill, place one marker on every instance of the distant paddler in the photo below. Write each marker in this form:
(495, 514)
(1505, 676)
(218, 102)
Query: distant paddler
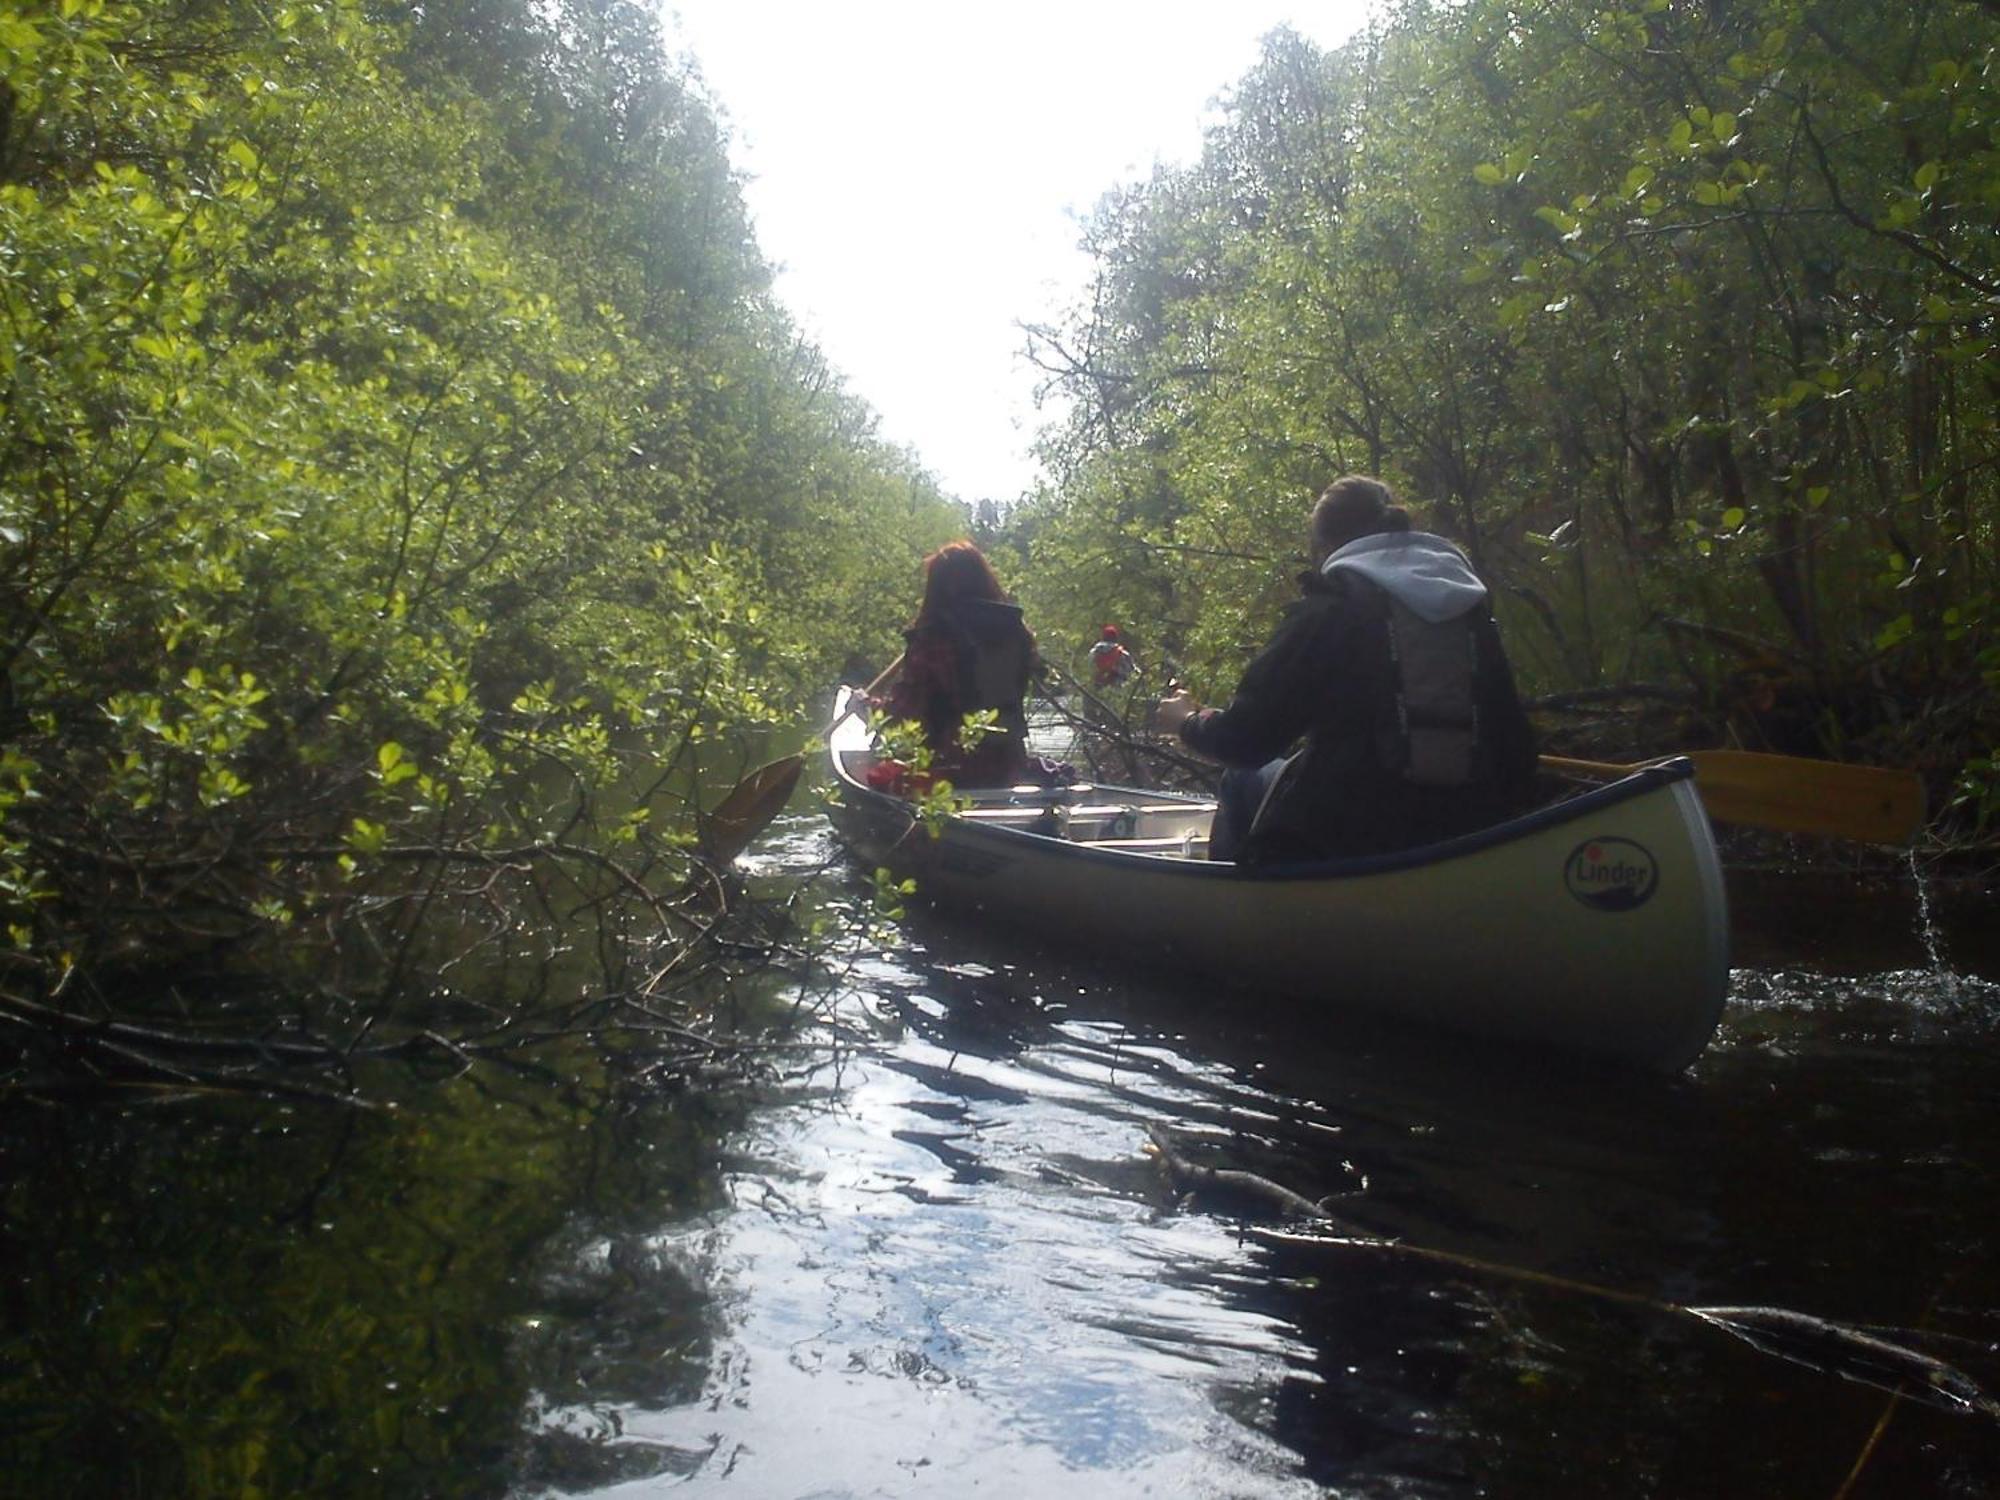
(1110, 662)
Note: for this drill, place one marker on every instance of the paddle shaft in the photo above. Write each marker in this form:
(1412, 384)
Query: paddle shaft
(860, 700)
(869, 691)
(1591, 767)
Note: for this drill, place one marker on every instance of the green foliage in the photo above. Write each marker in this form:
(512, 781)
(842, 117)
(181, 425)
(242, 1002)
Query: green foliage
(932, 797)
(1678, 317)
(396, 454)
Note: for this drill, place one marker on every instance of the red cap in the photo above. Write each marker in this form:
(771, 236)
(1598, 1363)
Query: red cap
(1111, 632)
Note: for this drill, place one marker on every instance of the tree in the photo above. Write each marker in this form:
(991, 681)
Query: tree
(1675, 317)
(404, 476)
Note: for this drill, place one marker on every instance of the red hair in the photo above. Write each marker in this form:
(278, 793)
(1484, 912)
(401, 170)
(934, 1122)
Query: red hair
(957, 570)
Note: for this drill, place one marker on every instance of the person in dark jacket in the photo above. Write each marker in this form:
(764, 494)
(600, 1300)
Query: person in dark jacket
(966, 650)
(1390, 669)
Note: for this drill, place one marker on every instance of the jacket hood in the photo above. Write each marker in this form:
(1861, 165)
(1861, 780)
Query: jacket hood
(1426, 574)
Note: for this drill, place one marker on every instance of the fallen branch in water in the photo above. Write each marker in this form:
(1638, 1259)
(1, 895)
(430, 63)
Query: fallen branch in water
(1841, 1349)
(1182, 1173)
(1113, 728)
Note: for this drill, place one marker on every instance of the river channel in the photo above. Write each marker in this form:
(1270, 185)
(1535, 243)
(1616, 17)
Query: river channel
(939, 1260)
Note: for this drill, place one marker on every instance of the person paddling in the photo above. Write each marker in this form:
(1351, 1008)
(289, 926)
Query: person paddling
(967, 650)
(1391, 671)
(1110, 662)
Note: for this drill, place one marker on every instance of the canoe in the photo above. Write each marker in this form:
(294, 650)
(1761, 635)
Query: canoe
(1595, 926)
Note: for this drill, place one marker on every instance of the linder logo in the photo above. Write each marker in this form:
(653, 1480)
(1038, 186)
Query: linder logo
(1608, 874)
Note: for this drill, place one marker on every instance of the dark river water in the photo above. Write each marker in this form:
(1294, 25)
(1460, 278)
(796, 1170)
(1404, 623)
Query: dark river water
(939, 1260)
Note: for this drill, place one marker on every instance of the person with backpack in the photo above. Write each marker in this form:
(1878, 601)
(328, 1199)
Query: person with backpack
(967, 650)
(1110, 663)
(1390, 670)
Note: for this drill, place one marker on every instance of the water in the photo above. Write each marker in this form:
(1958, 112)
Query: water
(942, 1263)
(952, 1269)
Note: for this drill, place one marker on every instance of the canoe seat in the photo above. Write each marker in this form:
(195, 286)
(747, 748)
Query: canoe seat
(1098, 811)
(1005, 814)
(1196, 845)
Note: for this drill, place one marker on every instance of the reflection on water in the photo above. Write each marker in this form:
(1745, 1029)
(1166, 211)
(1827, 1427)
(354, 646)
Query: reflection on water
(942, 1263)
(951, 1266)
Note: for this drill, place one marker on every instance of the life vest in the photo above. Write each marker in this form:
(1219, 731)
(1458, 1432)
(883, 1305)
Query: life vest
(1430, 736)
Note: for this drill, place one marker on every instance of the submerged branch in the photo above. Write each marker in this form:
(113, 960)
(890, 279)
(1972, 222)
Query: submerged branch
(1842, 1349)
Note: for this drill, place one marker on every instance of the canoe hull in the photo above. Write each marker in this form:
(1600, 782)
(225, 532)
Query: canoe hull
(1598, 927)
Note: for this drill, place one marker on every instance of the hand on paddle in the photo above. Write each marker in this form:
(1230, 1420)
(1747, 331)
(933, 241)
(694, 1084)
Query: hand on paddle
(1175, 709)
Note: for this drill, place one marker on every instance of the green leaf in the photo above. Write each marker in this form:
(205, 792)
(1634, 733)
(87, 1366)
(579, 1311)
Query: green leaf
(1489, 174)
(391, 764)
(19, 36)
(1895, 632)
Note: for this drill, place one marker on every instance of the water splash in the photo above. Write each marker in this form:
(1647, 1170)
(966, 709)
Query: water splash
(1927, 927)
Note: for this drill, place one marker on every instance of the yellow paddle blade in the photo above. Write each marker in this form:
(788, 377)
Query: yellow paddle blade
(1796, 795)
(747, 808)
(1792, 794)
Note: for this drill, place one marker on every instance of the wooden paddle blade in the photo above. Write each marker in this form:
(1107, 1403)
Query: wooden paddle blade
(1795, 795)
(748, 808)
(1791, 794)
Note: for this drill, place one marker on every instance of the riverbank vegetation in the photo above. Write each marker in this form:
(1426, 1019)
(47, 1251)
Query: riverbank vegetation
(1680, 318)
(415, 508)
(410, 494)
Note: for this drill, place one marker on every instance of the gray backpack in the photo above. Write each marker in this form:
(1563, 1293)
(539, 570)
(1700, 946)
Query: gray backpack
(1433, 739)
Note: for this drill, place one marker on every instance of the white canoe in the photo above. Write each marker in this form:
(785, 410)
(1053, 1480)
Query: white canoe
(1594, 925)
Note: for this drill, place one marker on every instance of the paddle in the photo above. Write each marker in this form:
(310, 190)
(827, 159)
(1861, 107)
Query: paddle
(745, 810)
(748, 807)
(858, 701)
(1793, 794)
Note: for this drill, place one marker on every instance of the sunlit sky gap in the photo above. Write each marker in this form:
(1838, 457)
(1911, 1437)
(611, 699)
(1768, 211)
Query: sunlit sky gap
(917, 171)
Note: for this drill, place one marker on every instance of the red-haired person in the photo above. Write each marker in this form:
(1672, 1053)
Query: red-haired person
(967, 650)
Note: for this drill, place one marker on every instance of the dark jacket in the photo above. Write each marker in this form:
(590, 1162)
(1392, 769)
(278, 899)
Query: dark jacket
(1329, 677)
(979, 655)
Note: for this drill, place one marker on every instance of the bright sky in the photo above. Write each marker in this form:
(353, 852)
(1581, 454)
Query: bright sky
(919, 169)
